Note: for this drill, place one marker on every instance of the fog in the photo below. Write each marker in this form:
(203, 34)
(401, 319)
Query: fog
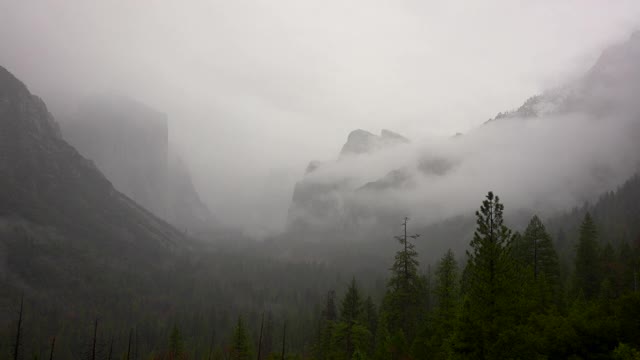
(539, 165)
(254, 90)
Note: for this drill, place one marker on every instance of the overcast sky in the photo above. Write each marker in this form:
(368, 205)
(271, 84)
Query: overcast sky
(255, 89)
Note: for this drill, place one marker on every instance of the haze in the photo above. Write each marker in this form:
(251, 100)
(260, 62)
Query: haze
(255, 89)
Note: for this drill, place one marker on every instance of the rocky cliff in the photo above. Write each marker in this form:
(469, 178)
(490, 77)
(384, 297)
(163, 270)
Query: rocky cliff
(129, 143)
(60, 217)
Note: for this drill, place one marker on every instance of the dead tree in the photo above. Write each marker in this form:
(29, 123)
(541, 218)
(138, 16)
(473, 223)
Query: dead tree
(16, 348)
(53, 345)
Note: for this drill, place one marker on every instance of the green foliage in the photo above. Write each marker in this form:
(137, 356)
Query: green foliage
(447, 289)
(507, 303)
(176, 344)
(490, 270)
(625, 352)
(587, 274)
(240, 344)
(535, 250)
(351, 309)
(404, 301)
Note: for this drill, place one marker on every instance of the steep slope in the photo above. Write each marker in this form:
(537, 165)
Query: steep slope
(616, 213)
(129, 143)
(62, 223)
(608, 87)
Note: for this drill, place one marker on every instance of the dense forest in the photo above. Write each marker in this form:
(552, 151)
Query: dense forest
(176, 184)
(512, 295)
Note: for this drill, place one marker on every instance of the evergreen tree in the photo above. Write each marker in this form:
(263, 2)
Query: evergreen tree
(587, 270)
(176, 344)
(351, 334)
(382, 350)
(240, 344)
(536, 256)
(351, 308)
(370, 319)
(490, 268)
(611, 274)
(534, 249)
(327, 323)
(370, 315)
(330, 311)
(447, 295)
(447, 288)
(405, 298)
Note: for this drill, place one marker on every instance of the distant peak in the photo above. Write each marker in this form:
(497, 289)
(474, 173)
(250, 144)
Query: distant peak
(361, 141)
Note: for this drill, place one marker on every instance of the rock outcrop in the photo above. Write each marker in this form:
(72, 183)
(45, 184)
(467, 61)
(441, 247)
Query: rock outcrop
(46, 183)
(362, 142)
(129, 142)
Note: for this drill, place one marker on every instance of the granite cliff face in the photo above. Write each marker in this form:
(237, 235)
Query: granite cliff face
(56, 202)
(66, 234)
(129, 143)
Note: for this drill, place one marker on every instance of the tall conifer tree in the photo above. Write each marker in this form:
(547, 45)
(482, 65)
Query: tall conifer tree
(587, 270)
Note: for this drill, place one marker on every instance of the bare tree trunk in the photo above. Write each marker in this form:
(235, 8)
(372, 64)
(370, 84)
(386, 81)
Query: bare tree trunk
(213, 336)
(284, 338)
(95, 337)
(129, 345)
(260, 338)
(53, 345)
(16, 348)
(110, 349)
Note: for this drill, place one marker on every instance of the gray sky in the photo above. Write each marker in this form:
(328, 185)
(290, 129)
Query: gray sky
(256, 89)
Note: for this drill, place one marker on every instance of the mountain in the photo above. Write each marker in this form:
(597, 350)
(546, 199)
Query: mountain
(362, 142)
(607, 88)
(578, 140)
(129, 143)
(324, 201)
(80, 252)
(62, 223)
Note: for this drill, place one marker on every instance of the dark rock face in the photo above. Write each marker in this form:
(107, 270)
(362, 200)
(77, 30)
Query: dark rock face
(45, 182)
(130, 143)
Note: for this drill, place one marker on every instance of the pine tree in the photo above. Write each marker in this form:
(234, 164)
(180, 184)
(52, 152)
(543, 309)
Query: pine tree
(327, 323)
(351, 308)
(611, 273)
(370, 315)
(446, 290)
(382, 350)
(405, 298)
(536, 256)
(489, 269)
(534, 249)
(240, 344)
(351, 334)
(587, 269)
(176, 344)
(331, 311)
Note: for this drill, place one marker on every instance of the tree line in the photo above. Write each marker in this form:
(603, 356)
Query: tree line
(509, 296)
